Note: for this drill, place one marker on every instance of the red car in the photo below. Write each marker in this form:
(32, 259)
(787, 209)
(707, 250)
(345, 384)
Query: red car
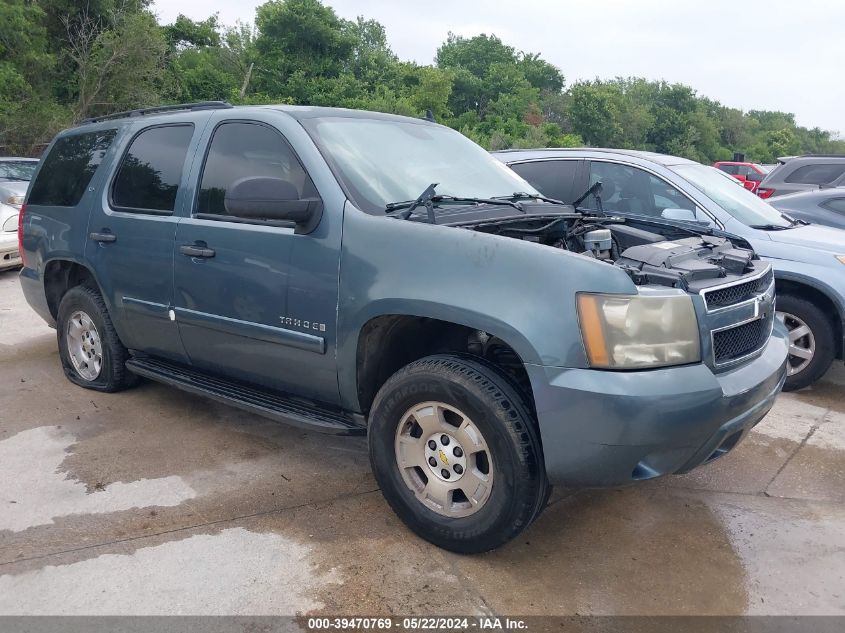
(749, 174)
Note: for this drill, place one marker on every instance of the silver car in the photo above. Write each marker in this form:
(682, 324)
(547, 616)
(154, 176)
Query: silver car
(803, 173)
(15, 174)
(824, 206)
(808, 260)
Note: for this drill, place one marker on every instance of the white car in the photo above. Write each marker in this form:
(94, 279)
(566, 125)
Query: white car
(15, 174)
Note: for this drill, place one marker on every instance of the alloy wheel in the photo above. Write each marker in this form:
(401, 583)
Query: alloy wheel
(84, 345)
(802, 343)
(444, 459)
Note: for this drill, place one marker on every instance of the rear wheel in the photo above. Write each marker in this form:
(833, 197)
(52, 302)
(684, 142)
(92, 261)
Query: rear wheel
(456, 451)
(91, 353)
(811, 340)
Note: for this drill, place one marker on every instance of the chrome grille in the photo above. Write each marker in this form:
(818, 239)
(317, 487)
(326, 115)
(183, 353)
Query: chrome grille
(737, 293)
(740, 317)
(740, 341)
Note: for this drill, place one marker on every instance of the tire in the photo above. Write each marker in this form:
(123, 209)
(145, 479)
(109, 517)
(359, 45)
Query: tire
(82, 310)
(819, 341)
(499, 472)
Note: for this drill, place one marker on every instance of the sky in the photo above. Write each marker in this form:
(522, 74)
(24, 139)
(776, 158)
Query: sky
(767, 55)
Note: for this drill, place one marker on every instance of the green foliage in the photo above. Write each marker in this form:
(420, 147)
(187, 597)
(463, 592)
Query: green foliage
(300, 41)
(62, 60)
(125, 67)
(186, 32)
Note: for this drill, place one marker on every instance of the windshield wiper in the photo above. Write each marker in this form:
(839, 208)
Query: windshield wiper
(794, 221)
(15, 178)
(771, 227)
(426, 198)
(522, 195)
(429, 198)
(594, 190)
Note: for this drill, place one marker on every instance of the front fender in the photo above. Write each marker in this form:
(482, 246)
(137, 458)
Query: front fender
(521, 292)
(824, 279)
(821, 278)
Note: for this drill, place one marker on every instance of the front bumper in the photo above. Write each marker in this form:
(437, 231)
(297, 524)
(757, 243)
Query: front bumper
(604, 428)
(9, 255)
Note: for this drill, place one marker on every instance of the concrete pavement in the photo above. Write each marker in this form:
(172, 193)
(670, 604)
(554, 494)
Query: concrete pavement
(153, 501)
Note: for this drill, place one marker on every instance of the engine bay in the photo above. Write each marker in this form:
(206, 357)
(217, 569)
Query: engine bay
(674, 257)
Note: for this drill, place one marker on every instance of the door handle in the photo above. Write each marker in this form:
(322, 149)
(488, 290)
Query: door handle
(103, 237)
(196, 251)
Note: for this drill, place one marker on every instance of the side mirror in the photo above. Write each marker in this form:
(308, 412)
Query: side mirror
(686, 215)
(267, 198)
(682, 215)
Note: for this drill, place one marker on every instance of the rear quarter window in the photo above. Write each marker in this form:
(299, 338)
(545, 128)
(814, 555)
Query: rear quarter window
(69, 167)
(817, 174)
(834, 204)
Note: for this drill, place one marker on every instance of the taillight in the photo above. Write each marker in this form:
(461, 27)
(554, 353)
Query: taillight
(20, 233)
(765, 193)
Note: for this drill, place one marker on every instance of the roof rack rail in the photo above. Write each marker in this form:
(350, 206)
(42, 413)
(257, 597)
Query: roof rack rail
(199, 105)
(783, 159)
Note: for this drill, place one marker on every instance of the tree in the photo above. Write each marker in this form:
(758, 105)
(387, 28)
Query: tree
(475, 54)
(62, 60)
(594, 113)
(300, 37)
(371, 60)
(119, 64)
(28, 113)
(185, 32)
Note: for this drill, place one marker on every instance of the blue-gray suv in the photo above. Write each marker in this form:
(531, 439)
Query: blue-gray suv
(808, 260)
(353, 272)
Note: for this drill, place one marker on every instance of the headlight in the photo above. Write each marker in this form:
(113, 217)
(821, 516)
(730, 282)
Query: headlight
(639, 331)
(11, 224)
(15, 201)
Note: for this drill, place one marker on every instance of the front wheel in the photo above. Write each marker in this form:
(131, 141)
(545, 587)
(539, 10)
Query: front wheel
(456, 451)
(811, 341)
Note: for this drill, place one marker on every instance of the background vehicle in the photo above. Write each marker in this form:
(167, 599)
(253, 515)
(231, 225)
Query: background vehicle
(353, 272)
(15, 174)
(749, 174)
(823, 206)
(803, 173)
(808, 260)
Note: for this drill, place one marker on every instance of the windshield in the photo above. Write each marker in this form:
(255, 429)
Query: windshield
(383, 161)
(17, 169)
(736, 200)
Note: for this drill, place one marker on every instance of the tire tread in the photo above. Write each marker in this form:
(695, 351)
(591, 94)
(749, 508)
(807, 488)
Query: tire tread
(484, 378)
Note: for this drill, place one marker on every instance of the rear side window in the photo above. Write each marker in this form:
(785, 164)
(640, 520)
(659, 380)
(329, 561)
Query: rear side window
(733, 170)
(834, 204)
(819, 174)
(240, 150)
(68, 168)
(151, 170)
(552, 178)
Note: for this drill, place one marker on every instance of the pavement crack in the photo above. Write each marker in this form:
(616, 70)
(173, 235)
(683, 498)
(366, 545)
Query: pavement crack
(803, 443)
(184, 528)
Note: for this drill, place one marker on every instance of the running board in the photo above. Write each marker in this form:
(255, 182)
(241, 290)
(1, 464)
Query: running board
(294, 411)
